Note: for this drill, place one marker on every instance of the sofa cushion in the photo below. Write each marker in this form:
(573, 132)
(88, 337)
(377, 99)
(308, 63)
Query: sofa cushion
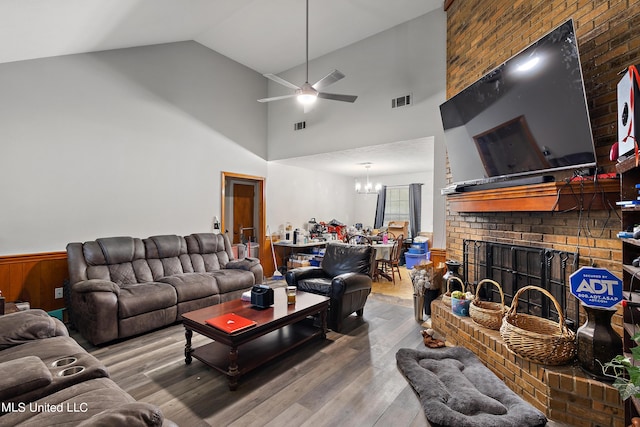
(166, 246)
(190, 286)
(130, 415)
(113, 250)
(118, 259)
(88, 398)
(233, 280)
(167, 255)
(243, 264)
(21, 376)
(24, 326)
(207, 243)
(58, 354)
(208, 251)
(145, 297)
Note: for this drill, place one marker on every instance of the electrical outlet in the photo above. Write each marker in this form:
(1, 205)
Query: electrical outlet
(58, 293)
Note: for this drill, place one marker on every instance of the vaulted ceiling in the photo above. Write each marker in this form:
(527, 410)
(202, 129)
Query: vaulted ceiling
(265, 35)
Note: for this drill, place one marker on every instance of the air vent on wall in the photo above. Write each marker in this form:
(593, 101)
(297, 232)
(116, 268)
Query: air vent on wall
(299, 125)
(401, 101)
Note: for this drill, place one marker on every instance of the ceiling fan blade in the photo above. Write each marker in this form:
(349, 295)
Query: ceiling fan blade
(276, 98)
(337, 97)
(280, 80)
(327, 80)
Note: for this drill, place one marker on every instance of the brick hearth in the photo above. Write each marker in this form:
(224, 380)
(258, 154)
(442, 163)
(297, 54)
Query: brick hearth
(564, 393)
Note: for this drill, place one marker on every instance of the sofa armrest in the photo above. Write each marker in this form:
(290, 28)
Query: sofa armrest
(131, 414)
(23, 375)
(301, 273)
(24, 326)
(249, 264)
(349, 282)
(95, 312)
(243, 264)
(95, 285)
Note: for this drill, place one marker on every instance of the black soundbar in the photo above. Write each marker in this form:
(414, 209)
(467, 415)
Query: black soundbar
(506, 183)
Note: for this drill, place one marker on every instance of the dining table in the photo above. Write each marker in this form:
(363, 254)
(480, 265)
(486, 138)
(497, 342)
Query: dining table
(383, 251)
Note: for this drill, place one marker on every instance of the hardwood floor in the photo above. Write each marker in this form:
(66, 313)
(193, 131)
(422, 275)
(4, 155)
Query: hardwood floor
(350, 378)
(402, 290)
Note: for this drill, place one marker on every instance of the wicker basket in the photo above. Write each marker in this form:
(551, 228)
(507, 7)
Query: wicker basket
(423, 265)
(536, 339)
(486, 313)
(446, 298)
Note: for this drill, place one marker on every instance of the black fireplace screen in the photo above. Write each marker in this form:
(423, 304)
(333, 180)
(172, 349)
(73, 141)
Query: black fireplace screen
(514, 267)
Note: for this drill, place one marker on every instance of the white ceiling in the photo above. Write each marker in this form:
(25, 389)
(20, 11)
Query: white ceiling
(267, 36)
(384, 159)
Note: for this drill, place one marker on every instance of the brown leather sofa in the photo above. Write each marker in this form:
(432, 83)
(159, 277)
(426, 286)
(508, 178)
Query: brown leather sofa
(46, 378)
(345, 275)
(124, 286)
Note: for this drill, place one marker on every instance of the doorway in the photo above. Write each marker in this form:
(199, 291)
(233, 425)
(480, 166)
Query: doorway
(243, 196)
(243, 210)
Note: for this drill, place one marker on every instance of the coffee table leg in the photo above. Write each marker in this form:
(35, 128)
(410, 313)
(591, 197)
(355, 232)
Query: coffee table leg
(233, 372)
(323, 322)
(188, 333)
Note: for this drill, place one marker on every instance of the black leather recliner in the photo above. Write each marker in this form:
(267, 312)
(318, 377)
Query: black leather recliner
(345, 275)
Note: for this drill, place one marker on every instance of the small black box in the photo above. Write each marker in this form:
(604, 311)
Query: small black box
(262, 296)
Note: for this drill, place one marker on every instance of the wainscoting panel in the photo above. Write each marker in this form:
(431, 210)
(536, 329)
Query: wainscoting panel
(33, 278)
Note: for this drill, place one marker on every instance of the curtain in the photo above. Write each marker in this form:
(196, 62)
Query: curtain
(415, 208)
(382, 198)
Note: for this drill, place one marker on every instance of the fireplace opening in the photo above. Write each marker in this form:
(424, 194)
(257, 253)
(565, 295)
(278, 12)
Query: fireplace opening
(514, 267)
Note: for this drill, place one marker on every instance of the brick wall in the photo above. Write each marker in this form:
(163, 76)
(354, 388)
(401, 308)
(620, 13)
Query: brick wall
(481, 34)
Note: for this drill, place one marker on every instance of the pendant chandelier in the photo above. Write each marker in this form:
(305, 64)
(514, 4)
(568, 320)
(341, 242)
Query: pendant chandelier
(369, 187)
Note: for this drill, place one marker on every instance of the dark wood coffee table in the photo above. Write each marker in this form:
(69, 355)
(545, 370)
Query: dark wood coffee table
(238, 353)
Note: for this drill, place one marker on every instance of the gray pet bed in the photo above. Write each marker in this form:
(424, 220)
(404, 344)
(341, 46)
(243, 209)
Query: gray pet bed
(457, 390)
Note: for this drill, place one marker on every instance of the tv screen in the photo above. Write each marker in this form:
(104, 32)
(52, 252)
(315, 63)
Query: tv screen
(528, 116)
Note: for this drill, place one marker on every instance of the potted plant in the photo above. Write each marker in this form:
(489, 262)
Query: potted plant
(624, 372)
(626, 375)
(460, 303)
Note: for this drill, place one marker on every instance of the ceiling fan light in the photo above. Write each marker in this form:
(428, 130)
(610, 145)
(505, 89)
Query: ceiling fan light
(307, 98)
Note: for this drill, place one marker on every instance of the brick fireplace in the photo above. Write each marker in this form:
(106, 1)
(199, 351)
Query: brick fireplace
(564, 393)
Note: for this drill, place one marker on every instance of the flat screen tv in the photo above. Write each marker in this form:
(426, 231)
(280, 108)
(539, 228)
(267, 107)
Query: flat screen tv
(525, 119)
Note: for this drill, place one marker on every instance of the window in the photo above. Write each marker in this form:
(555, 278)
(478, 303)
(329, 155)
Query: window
(396, 206)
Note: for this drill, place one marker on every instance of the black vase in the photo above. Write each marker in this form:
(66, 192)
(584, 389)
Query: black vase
(453, 268)
(598, 343)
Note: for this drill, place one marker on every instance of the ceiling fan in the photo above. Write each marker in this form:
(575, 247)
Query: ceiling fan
(308, 93)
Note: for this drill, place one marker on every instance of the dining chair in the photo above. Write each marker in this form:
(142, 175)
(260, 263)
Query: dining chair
(389, 234)
(392, 264)
(358, 239)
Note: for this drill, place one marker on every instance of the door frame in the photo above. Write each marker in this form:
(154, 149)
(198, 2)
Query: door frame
(260, 206)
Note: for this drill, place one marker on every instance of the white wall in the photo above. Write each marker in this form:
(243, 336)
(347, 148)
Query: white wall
(123, 142)
(409, 58)
(132, 141)
(295, 195)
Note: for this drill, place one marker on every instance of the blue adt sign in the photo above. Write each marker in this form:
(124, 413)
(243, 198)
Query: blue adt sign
(596, 287)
